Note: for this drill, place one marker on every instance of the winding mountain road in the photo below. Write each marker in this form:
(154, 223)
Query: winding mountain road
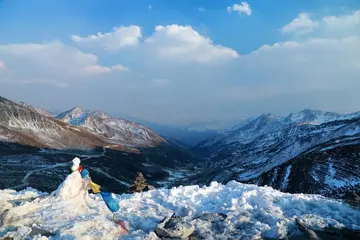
(25, 179)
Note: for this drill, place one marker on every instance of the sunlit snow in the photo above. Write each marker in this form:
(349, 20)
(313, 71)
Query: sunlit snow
(251, 211)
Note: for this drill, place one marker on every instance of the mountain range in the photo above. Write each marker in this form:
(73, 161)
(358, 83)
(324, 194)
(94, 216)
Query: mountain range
(307, 152)
(36, 149)
(115, 130)
(22, 124)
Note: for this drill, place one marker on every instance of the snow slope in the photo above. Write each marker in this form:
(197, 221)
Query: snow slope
(251, 211)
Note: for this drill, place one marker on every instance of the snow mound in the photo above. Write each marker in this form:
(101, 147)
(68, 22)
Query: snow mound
(238, 211)
(72, 187)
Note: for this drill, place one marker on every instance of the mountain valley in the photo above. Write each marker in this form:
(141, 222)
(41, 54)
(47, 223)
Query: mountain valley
(36, 149)
(307, 152)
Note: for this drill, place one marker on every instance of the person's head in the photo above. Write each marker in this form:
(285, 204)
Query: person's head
(76, 163)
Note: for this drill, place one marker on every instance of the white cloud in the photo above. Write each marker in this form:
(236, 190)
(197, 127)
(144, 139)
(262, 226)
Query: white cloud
(2, 65)
(97, 69)
(319, 71)
(183, 43)
(171, 42)
(112, 41)
(345, 21)
(301, 24)
(312, 64)
(327, 26)
(53, 55)
(201, 9)
(243, 8)
(119, 67)
(55, 63)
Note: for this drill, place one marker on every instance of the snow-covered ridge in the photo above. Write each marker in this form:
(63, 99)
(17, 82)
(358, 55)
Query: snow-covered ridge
(252, 212)
(116, 130)
(251, 128)
(259, 133)
(264, 143)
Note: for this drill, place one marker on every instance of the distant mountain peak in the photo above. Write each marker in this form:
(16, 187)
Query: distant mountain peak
(76, 112)
(310, 110)
(118, 131)
(75, 116)
(76, 109)
(270, 116)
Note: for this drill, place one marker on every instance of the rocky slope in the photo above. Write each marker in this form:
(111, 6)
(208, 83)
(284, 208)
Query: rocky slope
(38, 110)
(254, 150)
(115, 130)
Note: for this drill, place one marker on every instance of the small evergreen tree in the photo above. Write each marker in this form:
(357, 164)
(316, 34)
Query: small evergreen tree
(139, 183)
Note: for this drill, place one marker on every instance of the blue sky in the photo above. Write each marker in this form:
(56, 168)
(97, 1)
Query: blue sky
(45, 20)
(206, 62)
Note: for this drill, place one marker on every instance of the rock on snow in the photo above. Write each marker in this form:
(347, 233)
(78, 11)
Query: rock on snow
(251, 212)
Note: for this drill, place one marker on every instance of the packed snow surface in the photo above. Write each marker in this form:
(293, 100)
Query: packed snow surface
(252, 212)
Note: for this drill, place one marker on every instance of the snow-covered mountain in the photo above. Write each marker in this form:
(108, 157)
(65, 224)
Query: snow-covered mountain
(317, 117)
(116, 130)
(261, 144)
(22, 124)
(231, 211)
(331, 168)
(35, 150)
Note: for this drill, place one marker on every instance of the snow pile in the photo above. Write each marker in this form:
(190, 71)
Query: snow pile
(72, 187)
(250, 212)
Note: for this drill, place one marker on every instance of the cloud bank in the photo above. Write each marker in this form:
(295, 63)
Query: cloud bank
(177, 75)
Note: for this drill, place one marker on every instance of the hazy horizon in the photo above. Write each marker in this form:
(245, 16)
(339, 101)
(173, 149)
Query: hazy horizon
(225, 123)
(182, 62)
